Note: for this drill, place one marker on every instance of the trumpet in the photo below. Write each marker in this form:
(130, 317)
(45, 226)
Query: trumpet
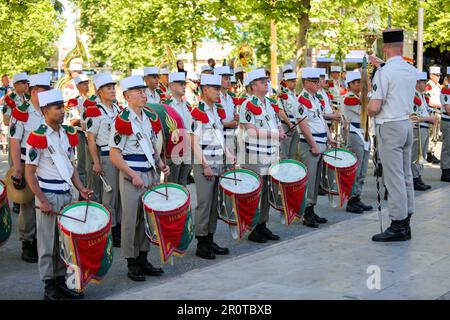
(420, 159)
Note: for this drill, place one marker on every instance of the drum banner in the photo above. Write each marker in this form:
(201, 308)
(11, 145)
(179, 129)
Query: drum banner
(246, 212)
(293, 196)
(173, 230)
(88, 256)
(345, 179)
(5, 221)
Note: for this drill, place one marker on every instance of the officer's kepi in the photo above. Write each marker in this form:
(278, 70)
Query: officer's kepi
(50, 97)
(393, 35)
(211, 80)
(132, 82)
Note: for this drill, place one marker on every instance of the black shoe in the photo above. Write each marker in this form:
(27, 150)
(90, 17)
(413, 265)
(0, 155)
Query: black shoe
(65, 291)
(408, 227)
(423, 183)
(419, 186)
(257, 236)
(16, 208)
(191, 178)
(135, 272)
(352, 206)
(435, 160)
(29, 253)
(215, 248)
(309, 219)
(116, 236)
(203, 249)
(386, 194)
(269, 235)
(362, 205)
(147, 268)
(51, 291)
(445, 175)
(396, 232)
(429, 158)
(322, 191)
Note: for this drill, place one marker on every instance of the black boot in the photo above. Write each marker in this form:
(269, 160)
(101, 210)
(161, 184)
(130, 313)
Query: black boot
(352, 206)
(434, 159)
(419, 186)
(445, 175)
(396, 232)
(191, 179)
(256, 235)
(203, 249)
(147, 268)
(269, 235)
(322, 191)
(215, 248)
(51, 291)
(408, 227)
(29, 253)
(65, 291)
(308, 218)
(386, 193)
(429, 157)
(135, 272)
(317, 218)
(362, 205)
(423, 183)
(116, 235)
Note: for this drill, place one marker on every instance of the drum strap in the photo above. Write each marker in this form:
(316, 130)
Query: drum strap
(360, 135)
(143, 143)
(62, 164)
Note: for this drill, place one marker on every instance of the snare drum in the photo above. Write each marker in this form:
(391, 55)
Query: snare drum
(240, 199)
(168, 219)
(86, 247)
(288, 188)
(5, 215)
(340, 171)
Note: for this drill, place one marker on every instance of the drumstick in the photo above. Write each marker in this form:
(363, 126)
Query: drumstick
(229, 178)
(165, 184)
(61, 215)
(295, 125)
(160, 193)
(234, 173)
(86, 211)
(328, 155)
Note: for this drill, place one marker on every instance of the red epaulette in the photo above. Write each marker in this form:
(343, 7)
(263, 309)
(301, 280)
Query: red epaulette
(351, 101)
(305, 101)
(37, 138)
(199, 114)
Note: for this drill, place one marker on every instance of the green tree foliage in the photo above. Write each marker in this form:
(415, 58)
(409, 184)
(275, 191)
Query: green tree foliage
(28, 30)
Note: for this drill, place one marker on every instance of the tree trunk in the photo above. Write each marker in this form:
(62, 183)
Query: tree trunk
(194, 53)
(303, 22)
(273, 54)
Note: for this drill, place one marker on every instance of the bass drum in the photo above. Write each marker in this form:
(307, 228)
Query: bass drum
(169, 128)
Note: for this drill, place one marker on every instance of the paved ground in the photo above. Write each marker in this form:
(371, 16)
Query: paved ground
(308, 253)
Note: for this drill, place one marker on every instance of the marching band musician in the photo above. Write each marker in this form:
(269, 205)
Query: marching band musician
(391, 104)
(230, 123)
(351, 108)
(152, 81)
(180, 166)
(289, 103)
(445, 128)
(313, 139)
(134, 154)
(209, 152)
(25, 119)
(420, 116)
(336, 85)
(50, 154)
(74, 117)
(163, 87)
(261, 134)
(99, 121)
(21, 84)
(433, 91)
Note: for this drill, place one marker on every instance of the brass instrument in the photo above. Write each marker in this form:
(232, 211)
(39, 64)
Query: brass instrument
(168, 60)
(246, 57)
(370, 38)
